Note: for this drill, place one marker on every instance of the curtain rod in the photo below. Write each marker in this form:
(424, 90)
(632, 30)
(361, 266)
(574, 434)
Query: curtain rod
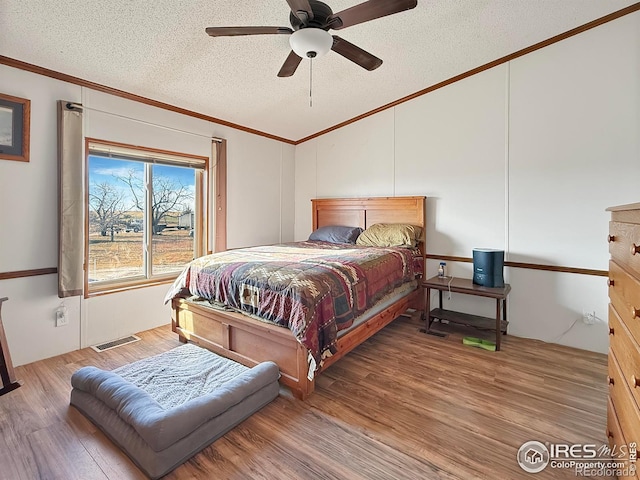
(80, 107)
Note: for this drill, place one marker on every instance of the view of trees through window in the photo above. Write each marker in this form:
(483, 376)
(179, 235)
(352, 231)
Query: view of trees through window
(141, 218)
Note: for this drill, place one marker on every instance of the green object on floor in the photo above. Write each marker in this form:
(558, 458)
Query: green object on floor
(480, 343)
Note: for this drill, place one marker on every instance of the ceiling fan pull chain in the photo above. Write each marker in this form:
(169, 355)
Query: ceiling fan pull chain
(310, 82)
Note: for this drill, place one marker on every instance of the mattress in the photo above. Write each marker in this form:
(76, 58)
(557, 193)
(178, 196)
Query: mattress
(164, 409)
(315, 289)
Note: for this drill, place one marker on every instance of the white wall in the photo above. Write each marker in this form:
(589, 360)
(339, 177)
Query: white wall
(574, 144)
(260, 210)
(526, 157)
(450, 147)
(362, 148)
(305, 187)
(29, 233)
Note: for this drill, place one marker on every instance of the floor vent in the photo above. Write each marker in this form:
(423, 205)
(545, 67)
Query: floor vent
(115, 343)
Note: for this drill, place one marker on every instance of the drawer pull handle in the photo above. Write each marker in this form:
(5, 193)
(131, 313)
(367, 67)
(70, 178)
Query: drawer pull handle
(611, 331)
(611, 238)
(610, 282)
(610, 380)
(635, 381)
(635, 313)
(635, 249)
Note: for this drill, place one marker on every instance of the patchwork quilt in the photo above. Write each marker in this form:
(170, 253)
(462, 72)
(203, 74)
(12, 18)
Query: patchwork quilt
(313, 288)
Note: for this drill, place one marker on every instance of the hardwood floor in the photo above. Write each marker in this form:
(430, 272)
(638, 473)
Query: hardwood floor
(403, 405)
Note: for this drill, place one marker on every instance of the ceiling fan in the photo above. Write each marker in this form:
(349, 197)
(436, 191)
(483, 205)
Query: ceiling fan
(310, 21)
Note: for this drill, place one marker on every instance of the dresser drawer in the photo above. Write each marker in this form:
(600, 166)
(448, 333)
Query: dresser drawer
(623, 403)
(624, 292)
(617, 442)
(624, 240)
(614, 430)
(627, 353)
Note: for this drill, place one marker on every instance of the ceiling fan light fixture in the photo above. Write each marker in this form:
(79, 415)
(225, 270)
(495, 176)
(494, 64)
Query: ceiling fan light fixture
(311, 42)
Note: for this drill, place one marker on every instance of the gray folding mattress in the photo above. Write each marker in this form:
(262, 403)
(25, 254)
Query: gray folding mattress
(162, 410)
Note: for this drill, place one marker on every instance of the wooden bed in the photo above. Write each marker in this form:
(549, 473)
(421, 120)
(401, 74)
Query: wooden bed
(251, 341)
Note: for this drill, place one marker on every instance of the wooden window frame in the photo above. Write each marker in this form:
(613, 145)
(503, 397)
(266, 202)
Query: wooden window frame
(203, 202)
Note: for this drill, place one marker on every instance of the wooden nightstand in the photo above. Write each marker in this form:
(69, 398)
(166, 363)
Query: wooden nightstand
(467, 287)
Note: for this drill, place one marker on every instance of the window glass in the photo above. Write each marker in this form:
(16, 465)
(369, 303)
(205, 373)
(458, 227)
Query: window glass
(143, 215)
(173, 217)
(116, 223)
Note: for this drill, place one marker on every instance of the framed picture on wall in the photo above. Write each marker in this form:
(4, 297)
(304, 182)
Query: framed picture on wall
(14, 128)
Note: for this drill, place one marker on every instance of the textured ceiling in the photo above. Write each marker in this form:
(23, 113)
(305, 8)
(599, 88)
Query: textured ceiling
(158, 49)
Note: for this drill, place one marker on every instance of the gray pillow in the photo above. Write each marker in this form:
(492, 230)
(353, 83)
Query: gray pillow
(336, 234)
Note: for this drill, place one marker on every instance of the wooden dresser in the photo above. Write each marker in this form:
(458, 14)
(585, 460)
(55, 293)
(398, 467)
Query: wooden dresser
(623, 410)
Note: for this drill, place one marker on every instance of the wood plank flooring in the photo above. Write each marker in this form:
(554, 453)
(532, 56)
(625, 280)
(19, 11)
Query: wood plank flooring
(403, 405)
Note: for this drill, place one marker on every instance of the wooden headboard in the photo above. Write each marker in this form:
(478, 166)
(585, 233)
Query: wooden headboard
(364, 212)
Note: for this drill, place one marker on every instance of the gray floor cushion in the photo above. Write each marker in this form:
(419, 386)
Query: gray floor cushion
(164, 409)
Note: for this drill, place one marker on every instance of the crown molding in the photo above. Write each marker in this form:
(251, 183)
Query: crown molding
(19, 64)
(545, 43)
(11, 62)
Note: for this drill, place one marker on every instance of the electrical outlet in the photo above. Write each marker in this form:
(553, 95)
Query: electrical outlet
(61, 318)
(589, 318)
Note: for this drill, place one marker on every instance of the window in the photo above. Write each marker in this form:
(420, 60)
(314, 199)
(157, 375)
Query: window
(145, 214)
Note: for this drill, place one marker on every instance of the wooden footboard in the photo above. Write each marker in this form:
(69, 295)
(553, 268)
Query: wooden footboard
(245, 340)
(249, 341)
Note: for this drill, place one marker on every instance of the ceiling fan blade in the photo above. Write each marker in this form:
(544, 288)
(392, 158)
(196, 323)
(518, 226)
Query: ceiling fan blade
(301, 9)
(369, 11)
(355, 54)
(237, 31)
(290, 65)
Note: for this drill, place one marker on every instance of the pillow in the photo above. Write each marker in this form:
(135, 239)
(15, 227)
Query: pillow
(390, 235)
(336, 234)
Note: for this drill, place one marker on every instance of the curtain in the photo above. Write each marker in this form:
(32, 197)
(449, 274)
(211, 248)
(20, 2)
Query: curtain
(219, 218)
(70, 201)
